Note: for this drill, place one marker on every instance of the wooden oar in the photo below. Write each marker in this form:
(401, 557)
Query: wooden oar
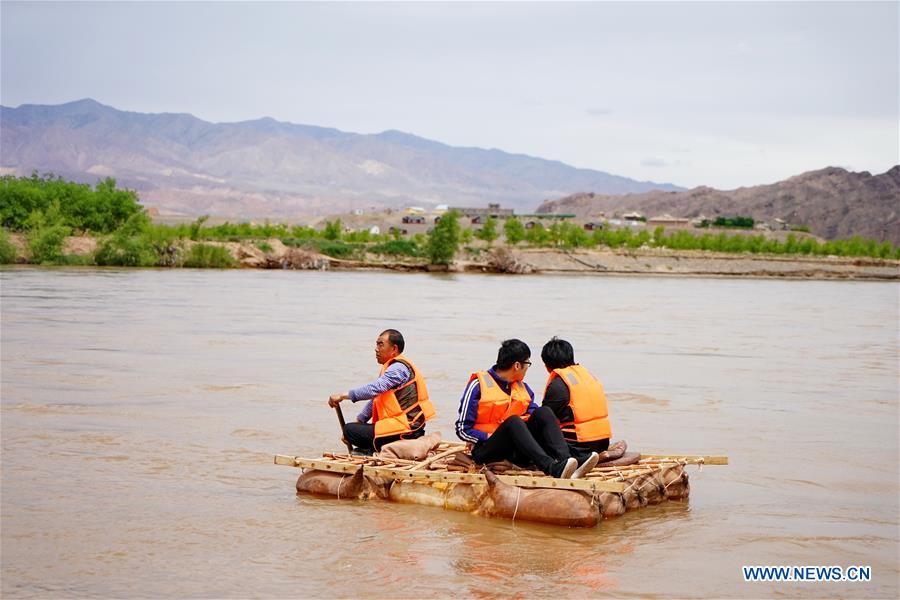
(340, 416)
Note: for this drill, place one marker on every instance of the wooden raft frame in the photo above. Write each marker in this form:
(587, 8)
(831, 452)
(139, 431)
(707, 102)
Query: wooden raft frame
(600, 479)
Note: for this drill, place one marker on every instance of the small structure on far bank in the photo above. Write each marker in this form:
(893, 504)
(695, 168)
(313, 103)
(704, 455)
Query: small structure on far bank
(492, 210)
(667, 220)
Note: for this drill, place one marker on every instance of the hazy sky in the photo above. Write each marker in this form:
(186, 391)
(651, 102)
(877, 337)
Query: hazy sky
(716, 93)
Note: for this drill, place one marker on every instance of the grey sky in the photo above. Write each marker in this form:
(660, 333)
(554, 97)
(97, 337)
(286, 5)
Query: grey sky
(715, 93)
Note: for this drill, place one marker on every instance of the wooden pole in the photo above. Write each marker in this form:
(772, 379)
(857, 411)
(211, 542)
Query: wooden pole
(340, 416)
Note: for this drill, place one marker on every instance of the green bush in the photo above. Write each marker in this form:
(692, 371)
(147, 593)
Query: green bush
(123, 250)
(76, 260)
(335, 248)
(397, 248)
(7, 249)
(264, 246)
(46, 235)
(45, 244)
(208, 256)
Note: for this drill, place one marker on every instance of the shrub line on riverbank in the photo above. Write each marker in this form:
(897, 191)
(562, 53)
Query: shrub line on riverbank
(648, 261)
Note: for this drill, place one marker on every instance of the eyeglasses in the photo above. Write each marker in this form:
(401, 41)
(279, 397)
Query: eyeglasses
(526, 363)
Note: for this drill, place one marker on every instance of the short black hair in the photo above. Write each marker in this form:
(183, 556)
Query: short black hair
(511, 352)
(395, 338)
(558, 354)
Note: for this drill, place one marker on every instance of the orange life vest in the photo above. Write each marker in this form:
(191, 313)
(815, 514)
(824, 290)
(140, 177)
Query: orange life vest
(588, 404)
(496, 405)
(402, 409)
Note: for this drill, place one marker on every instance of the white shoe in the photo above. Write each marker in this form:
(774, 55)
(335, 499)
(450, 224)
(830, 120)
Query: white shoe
(568, 469)
(586, 466)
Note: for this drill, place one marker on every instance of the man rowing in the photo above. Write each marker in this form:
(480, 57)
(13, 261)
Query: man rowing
(399, 404)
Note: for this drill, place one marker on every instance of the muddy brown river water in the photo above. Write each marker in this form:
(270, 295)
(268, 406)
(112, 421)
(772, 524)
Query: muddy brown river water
(141, 410)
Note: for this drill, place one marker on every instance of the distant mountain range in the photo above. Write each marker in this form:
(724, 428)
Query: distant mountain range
(266, 168)
(833, 202)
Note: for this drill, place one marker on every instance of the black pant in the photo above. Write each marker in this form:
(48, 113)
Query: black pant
(582, 450)
(362, 436)
(537, 441)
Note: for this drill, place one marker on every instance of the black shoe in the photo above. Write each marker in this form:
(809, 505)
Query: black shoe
(361, 452)
(563, 469)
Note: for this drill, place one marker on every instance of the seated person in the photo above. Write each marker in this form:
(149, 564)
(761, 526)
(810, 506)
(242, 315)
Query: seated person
(498, 416)
(399, 403)
(577, 400)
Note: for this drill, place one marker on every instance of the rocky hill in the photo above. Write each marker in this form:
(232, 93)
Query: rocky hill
(269, 168)
(833, 202)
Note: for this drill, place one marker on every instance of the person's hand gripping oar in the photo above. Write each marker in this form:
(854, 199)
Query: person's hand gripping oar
(335, 402)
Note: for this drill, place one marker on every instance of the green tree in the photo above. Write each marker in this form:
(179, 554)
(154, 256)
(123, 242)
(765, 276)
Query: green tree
(197, 228)
(443, 241)
(332, 230)
(537, 235)
(488, 231)
(555, 233)
(574, 236)
(514, 231)
(659, 235)
(465, 236)
(884, 249)
(102, 209)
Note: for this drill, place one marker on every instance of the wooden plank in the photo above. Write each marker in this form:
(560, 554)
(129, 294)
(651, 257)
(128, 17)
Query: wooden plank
(401, 473)
(705, 459)
(324, 465)
(281, 459)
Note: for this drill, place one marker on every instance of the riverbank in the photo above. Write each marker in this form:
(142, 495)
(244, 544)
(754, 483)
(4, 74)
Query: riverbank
(273, 254)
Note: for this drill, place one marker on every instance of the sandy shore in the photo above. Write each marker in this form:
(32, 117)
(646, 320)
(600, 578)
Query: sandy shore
(646, 261)
(659, 261)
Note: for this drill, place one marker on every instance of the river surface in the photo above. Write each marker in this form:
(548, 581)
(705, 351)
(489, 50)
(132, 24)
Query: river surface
(141, 410)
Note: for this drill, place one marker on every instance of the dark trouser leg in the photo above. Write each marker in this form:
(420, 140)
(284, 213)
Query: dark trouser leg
(597, 446)
(545, 429)
(579, 454)
(512, 441)
(387, 439)
(360, 435)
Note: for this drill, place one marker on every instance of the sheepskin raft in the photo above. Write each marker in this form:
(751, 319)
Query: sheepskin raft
(449, 479)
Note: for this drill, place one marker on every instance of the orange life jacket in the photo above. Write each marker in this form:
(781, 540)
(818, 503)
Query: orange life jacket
(496, 405)
(588, 403)
(402, 409)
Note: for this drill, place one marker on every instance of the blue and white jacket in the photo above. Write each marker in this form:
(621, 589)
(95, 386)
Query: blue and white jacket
(468, 408)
